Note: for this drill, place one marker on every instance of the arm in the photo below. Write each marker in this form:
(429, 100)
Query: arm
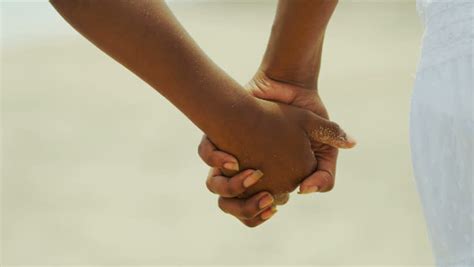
(294, 50)
(146, 38)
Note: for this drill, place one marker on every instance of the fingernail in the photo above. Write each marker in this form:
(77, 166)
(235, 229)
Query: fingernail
(233, 166)
(265, 201)
(268, 213)
(351, 140)
(253, 178)
(309, 189)
(346, 140)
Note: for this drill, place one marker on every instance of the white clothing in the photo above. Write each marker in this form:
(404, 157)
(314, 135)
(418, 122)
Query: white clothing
(442, 128)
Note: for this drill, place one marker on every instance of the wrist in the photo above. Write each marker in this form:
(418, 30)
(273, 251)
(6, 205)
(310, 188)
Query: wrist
(300, 69)
(301, 78)
(298, 76)
(240, 118)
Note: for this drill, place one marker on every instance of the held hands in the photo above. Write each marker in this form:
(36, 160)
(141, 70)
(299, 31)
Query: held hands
(287, 139)
(282, 175)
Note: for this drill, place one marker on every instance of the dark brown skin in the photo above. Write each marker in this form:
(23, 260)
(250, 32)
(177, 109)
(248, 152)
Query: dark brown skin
(293, 54)
(288, 74)
(146, 38)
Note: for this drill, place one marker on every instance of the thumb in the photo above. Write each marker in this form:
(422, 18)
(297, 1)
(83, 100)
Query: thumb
(327, 132)
(274, 92)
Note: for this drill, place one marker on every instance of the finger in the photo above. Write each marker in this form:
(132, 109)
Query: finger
(246, 208)
(281, 199)
(216, 158)
(234, 186)
(274, 92)
(263, 217)
(327, 132)
(319, 181)
(323, 179)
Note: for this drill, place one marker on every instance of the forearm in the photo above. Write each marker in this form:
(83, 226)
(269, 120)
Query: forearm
(294, 50)
(146, 38)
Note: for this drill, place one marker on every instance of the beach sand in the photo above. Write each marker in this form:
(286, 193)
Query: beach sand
(97, 168)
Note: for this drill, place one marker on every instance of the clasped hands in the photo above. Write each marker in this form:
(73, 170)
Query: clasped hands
(276, 135)
(293, 144)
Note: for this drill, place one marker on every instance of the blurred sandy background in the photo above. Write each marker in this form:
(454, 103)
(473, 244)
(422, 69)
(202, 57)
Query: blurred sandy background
(97, 168)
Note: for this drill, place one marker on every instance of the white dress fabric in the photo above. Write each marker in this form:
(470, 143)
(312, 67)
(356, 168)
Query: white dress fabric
(442, 128)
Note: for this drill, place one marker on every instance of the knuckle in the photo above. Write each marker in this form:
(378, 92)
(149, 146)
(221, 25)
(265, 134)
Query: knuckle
(221, 204)
(209, 185)
(249, 208)
(206, 153)
(201, 149)
(247, 213)
(232, 191)
(329, 184)
(250, 224)
(282, 199)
